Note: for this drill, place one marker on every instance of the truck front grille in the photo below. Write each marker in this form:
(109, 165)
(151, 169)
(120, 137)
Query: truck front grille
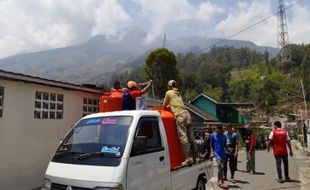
(56, 186)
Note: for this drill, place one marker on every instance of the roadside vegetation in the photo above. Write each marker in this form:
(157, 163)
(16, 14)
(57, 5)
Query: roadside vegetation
(228, 74)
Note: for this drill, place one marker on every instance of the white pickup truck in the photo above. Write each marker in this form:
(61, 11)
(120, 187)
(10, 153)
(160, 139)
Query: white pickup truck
(110, 151)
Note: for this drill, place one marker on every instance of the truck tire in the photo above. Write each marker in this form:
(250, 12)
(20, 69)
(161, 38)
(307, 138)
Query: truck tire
(201, 185)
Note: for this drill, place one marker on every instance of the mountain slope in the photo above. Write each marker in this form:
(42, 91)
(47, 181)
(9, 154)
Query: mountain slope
(204, 44)
(92, 61)
(99, 58)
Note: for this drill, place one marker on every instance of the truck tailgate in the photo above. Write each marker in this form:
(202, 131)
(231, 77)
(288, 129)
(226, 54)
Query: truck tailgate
(185, 178)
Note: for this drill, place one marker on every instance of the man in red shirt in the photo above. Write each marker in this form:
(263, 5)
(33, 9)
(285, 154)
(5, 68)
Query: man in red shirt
(250, 149)
(278, 139)
(134, 91)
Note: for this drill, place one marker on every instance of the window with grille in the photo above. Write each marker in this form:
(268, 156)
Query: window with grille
(48, 105)
(90, 106)
(1, 100)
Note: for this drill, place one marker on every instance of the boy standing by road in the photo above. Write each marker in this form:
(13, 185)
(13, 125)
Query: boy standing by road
(279, 139)
(250, 150)
(218, 144)
(231, 153)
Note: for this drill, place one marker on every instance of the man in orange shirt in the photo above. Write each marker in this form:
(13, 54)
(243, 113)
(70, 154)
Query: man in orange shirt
(129, 98)
(279, 139)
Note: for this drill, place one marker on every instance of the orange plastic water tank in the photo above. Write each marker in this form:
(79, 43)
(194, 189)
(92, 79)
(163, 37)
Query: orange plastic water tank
(176, 151)
(111, 101)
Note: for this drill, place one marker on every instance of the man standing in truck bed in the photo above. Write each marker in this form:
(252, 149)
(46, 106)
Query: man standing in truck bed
(134, 91)
(173, 101)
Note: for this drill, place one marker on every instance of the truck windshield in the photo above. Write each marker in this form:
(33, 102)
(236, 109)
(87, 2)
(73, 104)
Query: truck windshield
(94, 139)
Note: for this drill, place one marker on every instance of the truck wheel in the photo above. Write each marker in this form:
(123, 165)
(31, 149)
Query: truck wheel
(201, 184)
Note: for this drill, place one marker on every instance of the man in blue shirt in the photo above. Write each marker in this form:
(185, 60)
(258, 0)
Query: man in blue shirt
(231, 152)
(218, 144)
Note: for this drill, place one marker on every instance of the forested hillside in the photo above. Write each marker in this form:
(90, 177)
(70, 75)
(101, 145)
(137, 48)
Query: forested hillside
(241, 75)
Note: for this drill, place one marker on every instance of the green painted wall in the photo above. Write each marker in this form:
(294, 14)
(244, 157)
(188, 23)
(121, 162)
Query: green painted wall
(223, 113)
(243, 119)
(206, 105)
(230, 115)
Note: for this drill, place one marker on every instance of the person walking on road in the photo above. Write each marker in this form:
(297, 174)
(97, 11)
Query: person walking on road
(173, 101)
(231, 153)
(250, 150)
(218, 144)
(205, 146)
(280, 140)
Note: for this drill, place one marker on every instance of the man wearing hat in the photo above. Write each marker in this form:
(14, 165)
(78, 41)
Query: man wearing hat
(134, 91)
(173, 101)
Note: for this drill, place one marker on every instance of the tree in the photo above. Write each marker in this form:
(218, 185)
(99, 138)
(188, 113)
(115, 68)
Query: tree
(161, 66)
(215, 93)
(267, 96)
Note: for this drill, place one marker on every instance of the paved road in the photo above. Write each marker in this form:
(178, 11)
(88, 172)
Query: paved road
(266, 176)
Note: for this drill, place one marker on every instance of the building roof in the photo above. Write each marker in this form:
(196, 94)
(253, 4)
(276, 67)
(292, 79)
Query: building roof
(204, 115)
(7, 75)
(236, 104)
(205, 96)
(247, 105)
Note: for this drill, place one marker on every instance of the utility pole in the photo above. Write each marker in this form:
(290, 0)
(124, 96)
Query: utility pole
(164, 43)
(306, 118)
(306, 114)
(302, 85)
(303, 132)
(284, 54)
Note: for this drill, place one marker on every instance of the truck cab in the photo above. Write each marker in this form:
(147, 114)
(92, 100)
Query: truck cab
(126, 150)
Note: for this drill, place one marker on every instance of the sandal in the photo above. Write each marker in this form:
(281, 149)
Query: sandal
(224, 186)
(233, 181)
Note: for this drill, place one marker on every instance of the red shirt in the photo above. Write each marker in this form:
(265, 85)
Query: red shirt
(252, 142)
(135, 93)
(279, 138)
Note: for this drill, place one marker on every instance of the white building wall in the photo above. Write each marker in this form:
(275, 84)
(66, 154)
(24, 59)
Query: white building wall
(26, 143)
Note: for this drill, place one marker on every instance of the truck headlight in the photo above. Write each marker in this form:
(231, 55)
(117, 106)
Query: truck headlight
(46, 184)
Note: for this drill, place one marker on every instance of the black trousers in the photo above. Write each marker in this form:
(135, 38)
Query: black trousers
(279, 160)
(232, 165)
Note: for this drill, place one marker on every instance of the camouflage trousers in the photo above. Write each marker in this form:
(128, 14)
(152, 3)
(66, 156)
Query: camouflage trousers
(185, 133)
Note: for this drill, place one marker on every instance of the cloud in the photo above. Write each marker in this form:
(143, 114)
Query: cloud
(207, 10)
(164, 14)
(298, 25)
(246, 14)
(34, 25)
(250, 12)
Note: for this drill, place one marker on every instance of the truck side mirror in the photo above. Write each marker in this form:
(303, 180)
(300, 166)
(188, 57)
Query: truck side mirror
(139, 144)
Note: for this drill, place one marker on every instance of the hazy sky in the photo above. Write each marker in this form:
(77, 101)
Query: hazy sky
(34, 25)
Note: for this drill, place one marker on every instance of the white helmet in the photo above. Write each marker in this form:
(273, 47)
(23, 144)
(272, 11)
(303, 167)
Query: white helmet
(172, 83)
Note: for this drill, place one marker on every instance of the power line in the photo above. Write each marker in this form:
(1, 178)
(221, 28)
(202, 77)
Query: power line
(247, 28)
